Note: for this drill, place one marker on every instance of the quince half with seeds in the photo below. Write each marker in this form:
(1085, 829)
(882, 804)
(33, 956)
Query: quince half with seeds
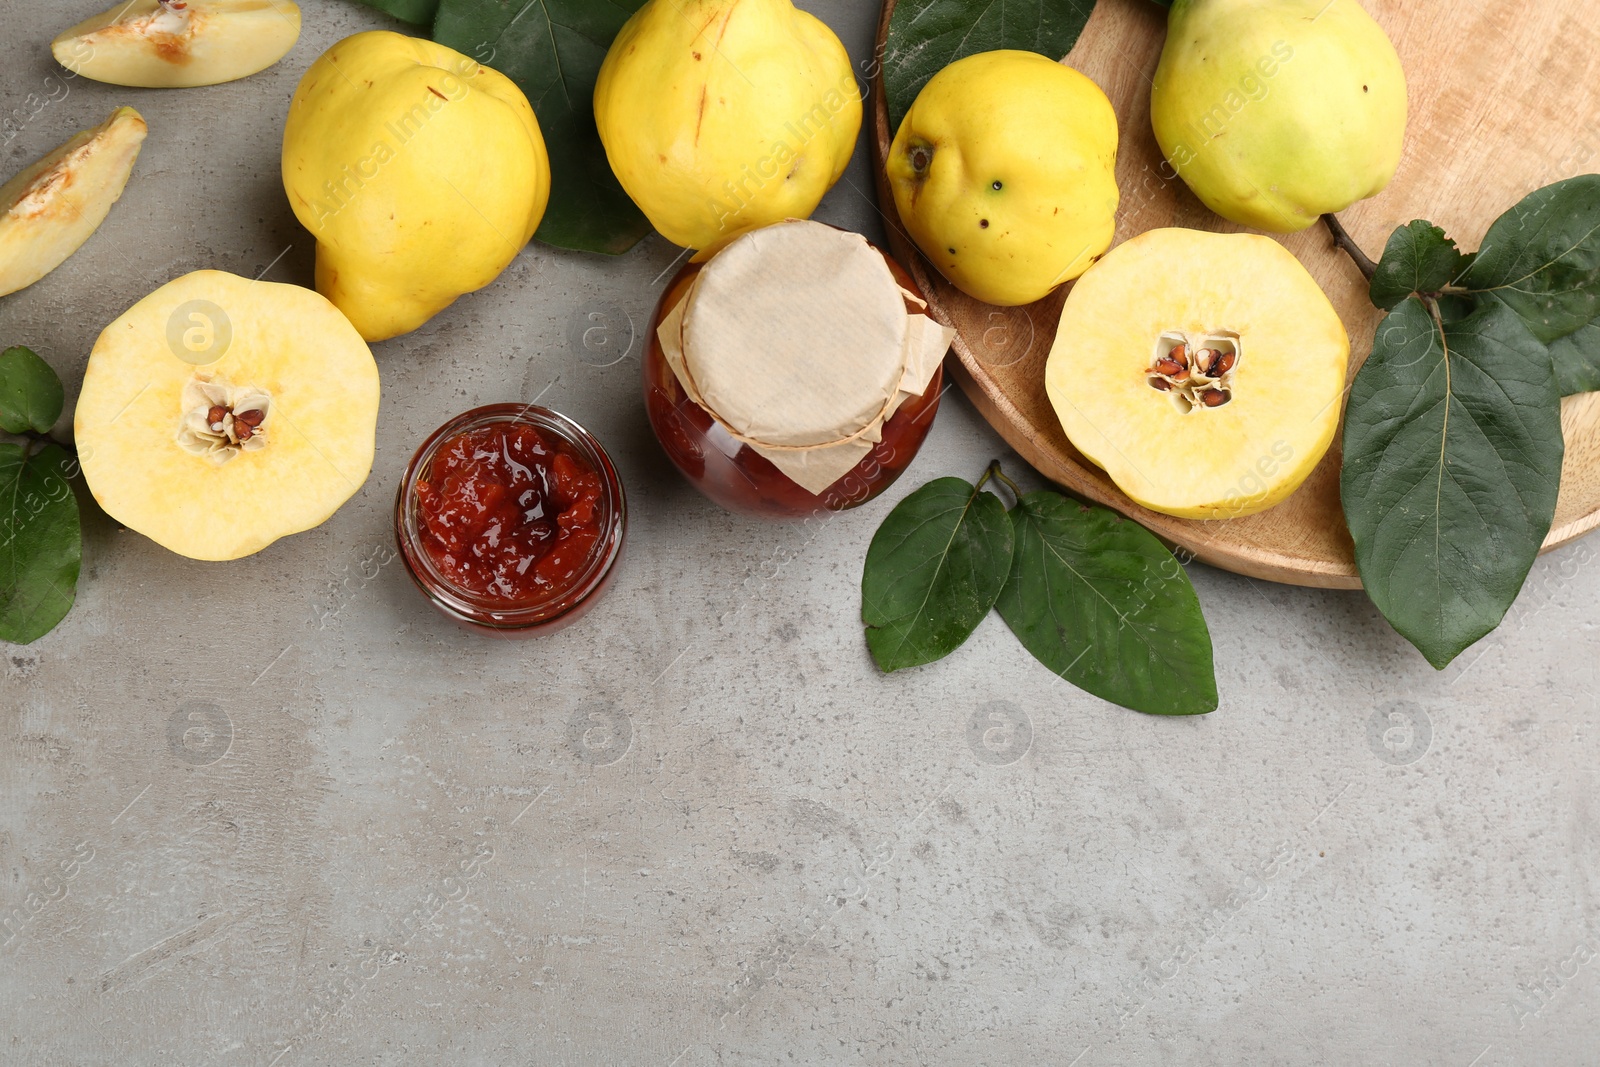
(1203, 371)
(49, 210)
(220, 414)
(174, 44)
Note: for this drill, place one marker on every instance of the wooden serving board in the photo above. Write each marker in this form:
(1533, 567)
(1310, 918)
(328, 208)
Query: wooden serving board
(1505, 98)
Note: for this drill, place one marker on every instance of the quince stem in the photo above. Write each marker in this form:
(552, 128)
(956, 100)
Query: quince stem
(1342, 239)
(994, 472)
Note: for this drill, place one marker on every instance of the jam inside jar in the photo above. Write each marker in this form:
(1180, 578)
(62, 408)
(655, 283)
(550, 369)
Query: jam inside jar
(737, 477)
(510, 519)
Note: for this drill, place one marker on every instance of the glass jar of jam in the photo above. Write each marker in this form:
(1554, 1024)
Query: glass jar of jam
(735, 475)
(511, 519)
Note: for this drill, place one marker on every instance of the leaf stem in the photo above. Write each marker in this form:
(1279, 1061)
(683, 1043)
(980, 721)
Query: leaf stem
(36, 440)
(1342, 239)
(994, 472)
(1430, 301)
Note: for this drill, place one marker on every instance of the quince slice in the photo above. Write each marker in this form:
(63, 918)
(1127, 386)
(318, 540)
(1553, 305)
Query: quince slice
(220, 414)
(49, 210)
(172, 44)
(1203, 371)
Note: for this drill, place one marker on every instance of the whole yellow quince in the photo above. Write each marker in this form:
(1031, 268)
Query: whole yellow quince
(420, 173)
(720, 116)
(1004, 173)
(1276, 112)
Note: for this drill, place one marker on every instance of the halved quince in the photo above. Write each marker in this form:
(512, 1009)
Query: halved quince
(220, 414)
(172, 44)
(49, 210)
(1203, 371)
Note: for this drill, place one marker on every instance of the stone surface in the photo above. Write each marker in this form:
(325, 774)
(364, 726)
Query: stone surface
(277, 812)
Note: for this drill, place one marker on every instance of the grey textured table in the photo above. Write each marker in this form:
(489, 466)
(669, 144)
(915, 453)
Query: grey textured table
(278, 812)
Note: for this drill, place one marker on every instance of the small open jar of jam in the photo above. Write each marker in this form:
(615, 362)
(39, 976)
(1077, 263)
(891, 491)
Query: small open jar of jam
(510, 519)
(795, 372)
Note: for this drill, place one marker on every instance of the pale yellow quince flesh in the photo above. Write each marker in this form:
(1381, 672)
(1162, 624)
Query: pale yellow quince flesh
(420, 173)
(216, 491)
(1276, 112)
(180, 43)
(1004, 173)
(721, 116)
(1244, 293)
(49, 210)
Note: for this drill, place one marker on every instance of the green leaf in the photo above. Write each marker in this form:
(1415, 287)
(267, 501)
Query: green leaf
(1542, 258)
(933, 572)
(1577, 359)
(1419, 259)
(1102, 603)
(925, 36)
(1452, 462)
(40, 543)
(30, 392)
(1453, 307)
(416, 12)
(553, 50)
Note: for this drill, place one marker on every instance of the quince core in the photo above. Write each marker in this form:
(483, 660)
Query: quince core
(220, 414)
(1204, 372)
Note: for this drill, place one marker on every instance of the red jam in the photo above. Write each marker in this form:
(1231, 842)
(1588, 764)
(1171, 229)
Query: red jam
(508, 514)
(511, 519)
(736, 476)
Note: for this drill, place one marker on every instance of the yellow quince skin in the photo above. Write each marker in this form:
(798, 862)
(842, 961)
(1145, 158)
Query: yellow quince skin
(1004, 173)
(721, 116)
(1276, 112)
(1203, 371)
(420, 173)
